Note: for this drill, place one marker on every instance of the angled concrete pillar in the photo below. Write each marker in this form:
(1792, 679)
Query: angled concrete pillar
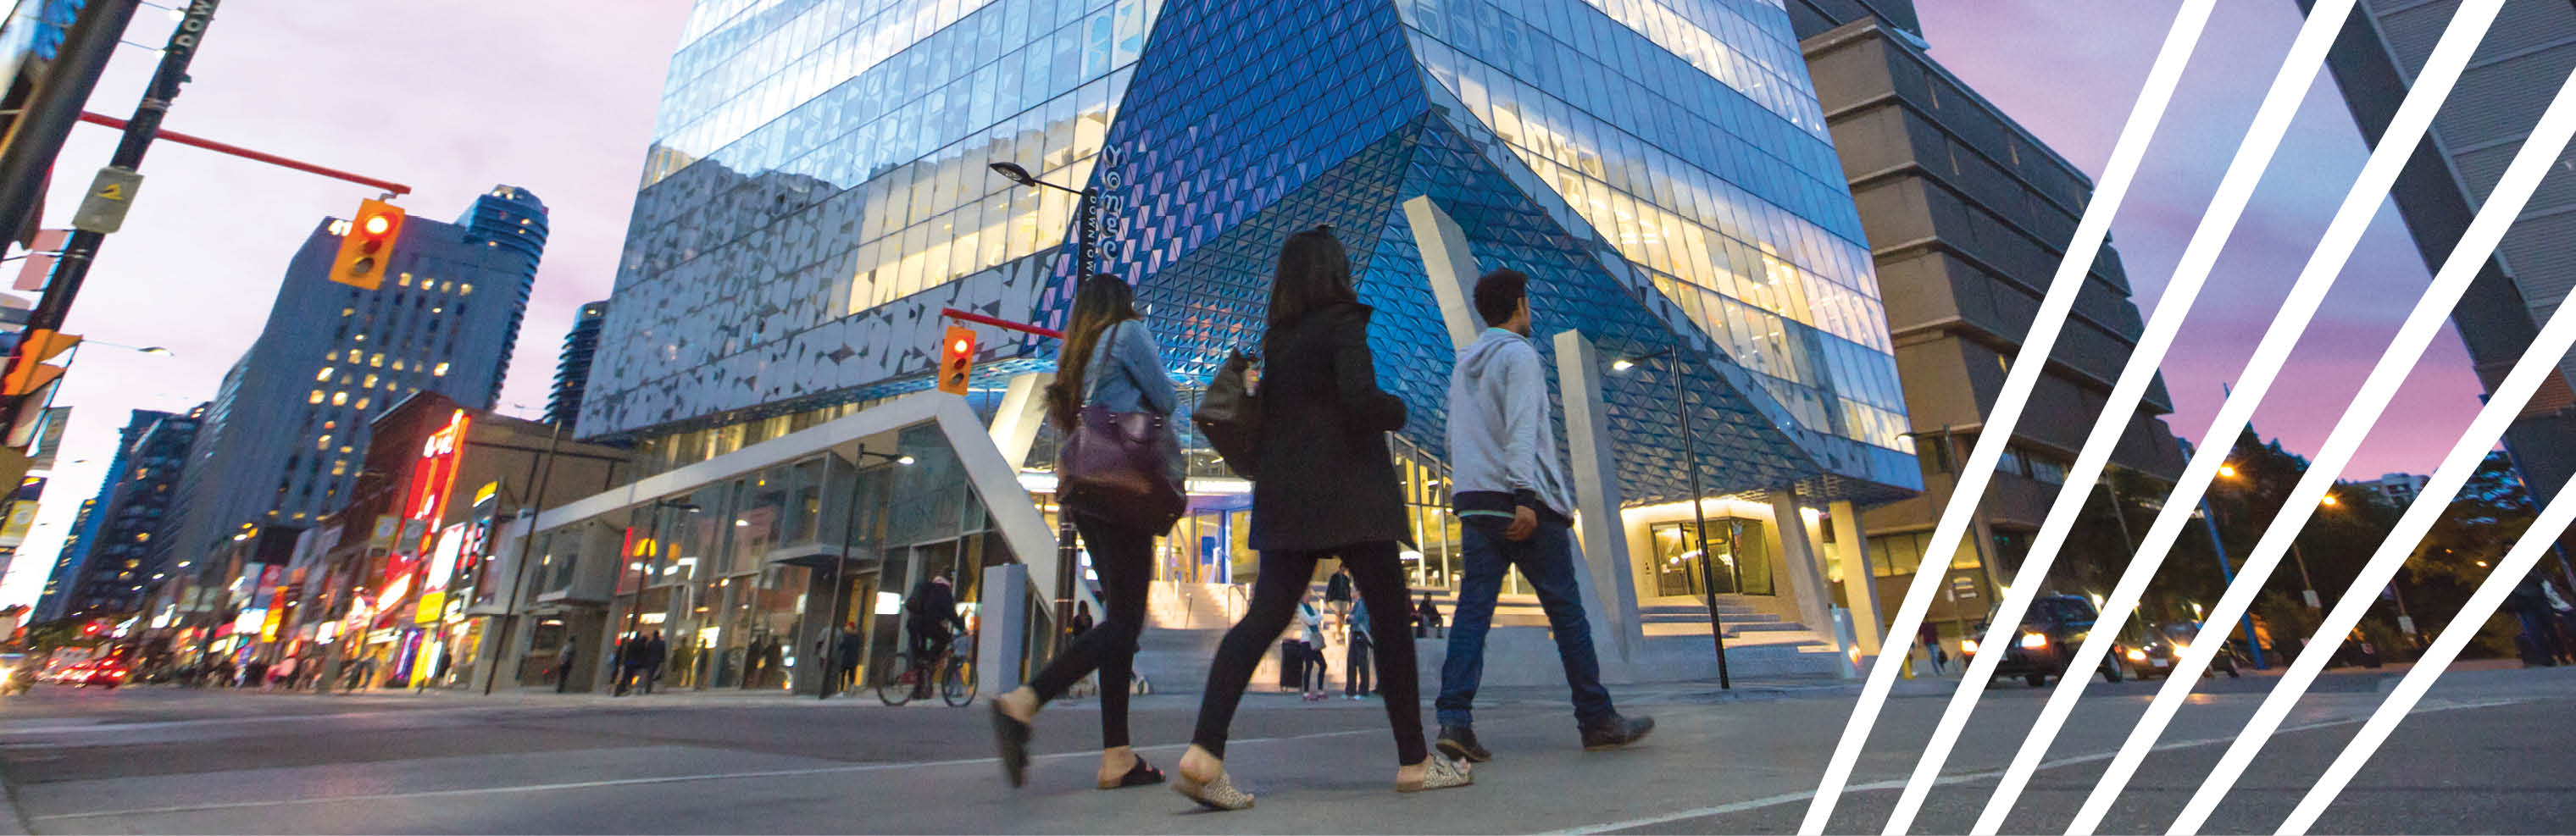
(1860, 586)
(1450, 266)
(1023, 411)
(1806, 572)
(1001, 624)
(1609, 581)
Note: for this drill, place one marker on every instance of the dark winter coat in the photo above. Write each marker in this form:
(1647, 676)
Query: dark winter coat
(1326, 477)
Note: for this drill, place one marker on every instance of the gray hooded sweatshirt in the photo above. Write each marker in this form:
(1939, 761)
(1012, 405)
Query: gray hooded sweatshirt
(1502, 453)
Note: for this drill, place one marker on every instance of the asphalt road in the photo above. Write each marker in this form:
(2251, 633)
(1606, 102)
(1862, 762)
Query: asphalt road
(2485, 753)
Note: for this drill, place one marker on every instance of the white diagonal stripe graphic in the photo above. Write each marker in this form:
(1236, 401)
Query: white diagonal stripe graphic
(2472, 620)
(2235, 189)
(2503, 205)
(2090, 231)
(2539, 153)
(2405, 132)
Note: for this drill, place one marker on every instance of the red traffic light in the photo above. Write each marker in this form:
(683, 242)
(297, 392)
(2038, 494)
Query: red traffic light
(366, 249)
(957, 360)
(377, 224)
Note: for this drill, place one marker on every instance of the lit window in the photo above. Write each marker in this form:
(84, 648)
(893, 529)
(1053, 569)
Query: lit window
(377, 360)
(446, 287)
(438, 310)
(348, 312)
(345, 450)
(398, 365)
(404, 281)
(324, 374)
(330, 425)
(333, 356)
(360, 338)
(466, 289)
(362, 403)
(317, 397)
(371, 382)
(142, 536)
(322, 443)
(440, 371)
(339, 398)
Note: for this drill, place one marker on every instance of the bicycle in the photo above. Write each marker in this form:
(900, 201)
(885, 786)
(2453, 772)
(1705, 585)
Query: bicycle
(901, 679)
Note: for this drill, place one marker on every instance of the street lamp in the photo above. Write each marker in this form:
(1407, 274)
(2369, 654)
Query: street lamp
(1086, 240)
(841, 560)
(1699, 512)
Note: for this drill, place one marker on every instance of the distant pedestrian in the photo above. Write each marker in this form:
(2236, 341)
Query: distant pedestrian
(2538, 641)
(754, 664)
(631, 655)
(656, 653)
(563, 666)
(1311, 620)
(1337, 597)
(2562, 617)
(1426, 619)
(1514, 504)
(848, 653)
(771, 661)
(1355, 658)
(1081, 621)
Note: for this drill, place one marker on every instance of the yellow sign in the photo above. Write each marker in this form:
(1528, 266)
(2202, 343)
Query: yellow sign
(485, 493)
(432, 606)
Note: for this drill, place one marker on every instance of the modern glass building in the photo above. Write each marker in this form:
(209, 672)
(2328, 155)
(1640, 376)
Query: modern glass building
(819, 192)
(572, 367)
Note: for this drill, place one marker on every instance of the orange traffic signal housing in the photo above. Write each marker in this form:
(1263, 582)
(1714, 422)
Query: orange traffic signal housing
(956, 360)
(368, 246)
(28, 371)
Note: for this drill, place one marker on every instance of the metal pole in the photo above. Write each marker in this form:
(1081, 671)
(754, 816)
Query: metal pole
(2308, 588)
(2227, 576)
(1065, 553)
(840, 579)
(1699, 528)
(36, 136)
(635, 611)
(519, 570)
(82, 247)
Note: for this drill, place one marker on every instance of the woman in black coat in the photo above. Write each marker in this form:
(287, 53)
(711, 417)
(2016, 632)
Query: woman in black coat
(1325, 487)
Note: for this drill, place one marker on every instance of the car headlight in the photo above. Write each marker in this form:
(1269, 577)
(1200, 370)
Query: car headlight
(2136, 655)
(2033, 640)
(2178, 648)
(1968, 646)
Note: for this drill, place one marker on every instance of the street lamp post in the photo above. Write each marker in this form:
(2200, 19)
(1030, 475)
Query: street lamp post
(1086, 239)
(841, 561)
(1699, 513)
(653, 541)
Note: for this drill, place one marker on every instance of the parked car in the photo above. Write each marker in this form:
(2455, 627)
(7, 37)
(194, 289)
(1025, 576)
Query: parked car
(2050, 632)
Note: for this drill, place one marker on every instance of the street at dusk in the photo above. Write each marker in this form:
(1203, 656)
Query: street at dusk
(166, 761)
(1451, 416)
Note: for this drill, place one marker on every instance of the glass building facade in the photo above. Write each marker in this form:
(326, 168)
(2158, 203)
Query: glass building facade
(818, 191)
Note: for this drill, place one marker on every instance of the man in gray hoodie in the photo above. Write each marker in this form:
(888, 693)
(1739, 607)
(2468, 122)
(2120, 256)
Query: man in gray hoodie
(1515, 506)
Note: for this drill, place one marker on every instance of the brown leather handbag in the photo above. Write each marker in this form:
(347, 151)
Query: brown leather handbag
(1122, 466)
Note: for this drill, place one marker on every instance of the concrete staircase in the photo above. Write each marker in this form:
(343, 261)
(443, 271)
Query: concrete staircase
(1185, 622)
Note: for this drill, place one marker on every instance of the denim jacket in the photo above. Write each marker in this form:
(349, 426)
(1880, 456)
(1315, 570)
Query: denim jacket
(1126, 372)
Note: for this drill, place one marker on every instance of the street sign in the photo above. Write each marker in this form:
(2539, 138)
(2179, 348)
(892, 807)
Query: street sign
(102, 210)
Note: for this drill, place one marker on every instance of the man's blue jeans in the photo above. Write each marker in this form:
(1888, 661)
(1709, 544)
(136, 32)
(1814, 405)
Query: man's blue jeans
(1546, 561)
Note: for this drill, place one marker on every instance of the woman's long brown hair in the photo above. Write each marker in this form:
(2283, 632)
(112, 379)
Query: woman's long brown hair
(1101, 301)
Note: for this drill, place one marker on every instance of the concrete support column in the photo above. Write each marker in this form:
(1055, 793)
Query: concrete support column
(1611, 585)
(1451, 267)
(1860, 586)
(1806, 572)
(1023, 412)
(1001, 623)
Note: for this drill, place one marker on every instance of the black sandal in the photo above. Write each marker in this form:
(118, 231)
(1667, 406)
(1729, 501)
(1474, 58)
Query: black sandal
(1012, 738)
(1139, 775)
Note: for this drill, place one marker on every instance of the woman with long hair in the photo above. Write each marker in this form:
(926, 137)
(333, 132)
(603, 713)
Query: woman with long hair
(1110, 361)
(1327, 489)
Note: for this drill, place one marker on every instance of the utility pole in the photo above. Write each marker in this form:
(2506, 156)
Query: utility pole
(82, 248)
(36, 137)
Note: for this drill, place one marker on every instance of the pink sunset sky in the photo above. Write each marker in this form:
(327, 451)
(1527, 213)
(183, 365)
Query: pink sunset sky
(559, 97)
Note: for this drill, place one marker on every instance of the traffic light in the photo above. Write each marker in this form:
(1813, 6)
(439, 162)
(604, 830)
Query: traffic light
(28, 384)
(368, 245)
(956, 360)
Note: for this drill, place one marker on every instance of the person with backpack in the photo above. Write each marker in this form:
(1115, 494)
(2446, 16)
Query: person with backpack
(1324, 487)
(1337, 597)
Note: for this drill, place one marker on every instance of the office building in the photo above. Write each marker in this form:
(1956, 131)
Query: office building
(2526, 56)
(572, 370)
(118, 569)
(84, 535)
(1662, 171)
(2401, 489)
(1968, 215)
(280, 443)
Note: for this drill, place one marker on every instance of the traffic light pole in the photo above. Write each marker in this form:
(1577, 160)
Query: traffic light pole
(82, 248)
(36, 136)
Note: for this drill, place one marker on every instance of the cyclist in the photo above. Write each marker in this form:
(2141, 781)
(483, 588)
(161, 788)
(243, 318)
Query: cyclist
(929, 615)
